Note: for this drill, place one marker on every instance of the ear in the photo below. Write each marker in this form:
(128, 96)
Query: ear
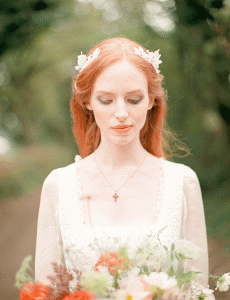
(89, 106)
(151, 102)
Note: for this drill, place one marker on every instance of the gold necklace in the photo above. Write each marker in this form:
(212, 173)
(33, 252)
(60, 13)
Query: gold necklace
(115, 196)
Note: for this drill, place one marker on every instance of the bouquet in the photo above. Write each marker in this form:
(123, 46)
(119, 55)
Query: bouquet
(118, 275)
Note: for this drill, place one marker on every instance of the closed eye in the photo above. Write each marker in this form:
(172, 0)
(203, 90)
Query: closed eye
(133, 101)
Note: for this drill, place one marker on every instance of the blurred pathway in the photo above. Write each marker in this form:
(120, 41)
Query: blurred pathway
(18, 229)
(18, 239)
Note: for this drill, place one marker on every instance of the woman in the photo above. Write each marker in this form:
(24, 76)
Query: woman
(122, 185)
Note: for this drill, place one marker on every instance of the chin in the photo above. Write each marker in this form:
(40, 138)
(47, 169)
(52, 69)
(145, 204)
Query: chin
(122, 140)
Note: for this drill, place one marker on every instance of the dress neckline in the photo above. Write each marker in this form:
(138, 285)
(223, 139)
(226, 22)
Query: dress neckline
(162, 196)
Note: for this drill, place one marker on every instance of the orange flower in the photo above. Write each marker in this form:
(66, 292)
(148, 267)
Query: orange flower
(80, 295)
(111, 259)
(31, 291)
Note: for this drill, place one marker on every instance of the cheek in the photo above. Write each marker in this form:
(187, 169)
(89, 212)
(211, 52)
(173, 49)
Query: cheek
(140, 116)
(101, 118)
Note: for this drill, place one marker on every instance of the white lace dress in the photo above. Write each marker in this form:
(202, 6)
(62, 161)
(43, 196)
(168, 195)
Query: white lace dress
(64, 233)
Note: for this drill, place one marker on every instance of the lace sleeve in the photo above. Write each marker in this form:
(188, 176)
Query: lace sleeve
(48, 242)
(194, 226)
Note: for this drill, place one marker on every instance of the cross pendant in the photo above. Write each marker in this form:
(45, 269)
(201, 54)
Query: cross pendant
(115, 196)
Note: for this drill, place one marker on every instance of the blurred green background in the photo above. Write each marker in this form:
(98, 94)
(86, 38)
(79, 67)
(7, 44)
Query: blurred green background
(39, 44)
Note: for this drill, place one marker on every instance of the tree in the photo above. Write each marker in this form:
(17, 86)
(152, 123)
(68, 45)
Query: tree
(22, 19)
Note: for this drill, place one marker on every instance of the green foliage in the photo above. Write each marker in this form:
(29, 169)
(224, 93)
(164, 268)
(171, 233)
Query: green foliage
(123, 253)
(21, 20)
(35, 83)
(23, 276)
(171, 272)
(181, 256)
(115, 283)
(145, 270)
(95, 282)
(166, 248)
(25, 170)
(185, 278)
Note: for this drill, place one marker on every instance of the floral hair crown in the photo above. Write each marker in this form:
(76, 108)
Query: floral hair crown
(84, 61)
(152, 57)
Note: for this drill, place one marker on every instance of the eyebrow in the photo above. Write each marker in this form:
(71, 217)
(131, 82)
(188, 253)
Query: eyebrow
(131, 92)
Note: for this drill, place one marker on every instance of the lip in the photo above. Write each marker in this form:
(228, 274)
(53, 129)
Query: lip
(121, 126)
(122, 130)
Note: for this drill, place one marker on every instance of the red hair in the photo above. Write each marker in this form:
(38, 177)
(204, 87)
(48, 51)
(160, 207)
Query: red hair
(86, 132)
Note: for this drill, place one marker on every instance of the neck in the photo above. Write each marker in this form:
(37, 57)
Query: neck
(119, 156)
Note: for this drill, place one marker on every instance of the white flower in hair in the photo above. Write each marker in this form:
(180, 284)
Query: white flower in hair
(83, 61)
(152, 57)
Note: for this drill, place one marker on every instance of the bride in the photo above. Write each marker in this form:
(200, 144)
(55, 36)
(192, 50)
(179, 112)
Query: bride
(121, 185)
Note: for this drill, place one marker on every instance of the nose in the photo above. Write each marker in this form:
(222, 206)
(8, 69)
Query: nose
(121, 111)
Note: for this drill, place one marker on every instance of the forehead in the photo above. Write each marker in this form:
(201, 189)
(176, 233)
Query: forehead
(121, 77)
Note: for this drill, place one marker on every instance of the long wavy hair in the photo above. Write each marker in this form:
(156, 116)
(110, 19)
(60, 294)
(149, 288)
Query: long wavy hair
(154, 136)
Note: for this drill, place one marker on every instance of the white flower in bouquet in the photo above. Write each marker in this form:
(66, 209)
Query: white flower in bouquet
(223, 282)
(151, 256)
(187, 248)
(97, 283)
(104, 270)
(133, 272)
(172, 292)
(130, 288)
(159, 254)
(197, 291)
(159, 283)
(141, 258)
(161, 280)
(208, 293)
(153, 265)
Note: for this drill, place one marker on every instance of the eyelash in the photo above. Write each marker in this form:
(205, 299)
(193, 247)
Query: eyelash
(132, 101)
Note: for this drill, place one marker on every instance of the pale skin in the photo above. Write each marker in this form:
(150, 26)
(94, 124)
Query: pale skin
(119, 156)
(120, 79)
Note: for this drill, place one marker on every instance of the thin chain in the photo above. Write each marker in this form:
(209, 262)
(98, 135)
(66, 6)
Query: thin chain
(89, 197)
(115, 195)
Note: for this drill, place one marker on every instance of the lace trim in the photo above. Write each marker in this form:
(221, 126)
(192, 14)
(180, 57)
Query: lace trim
(157, 209)
(83, 254)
